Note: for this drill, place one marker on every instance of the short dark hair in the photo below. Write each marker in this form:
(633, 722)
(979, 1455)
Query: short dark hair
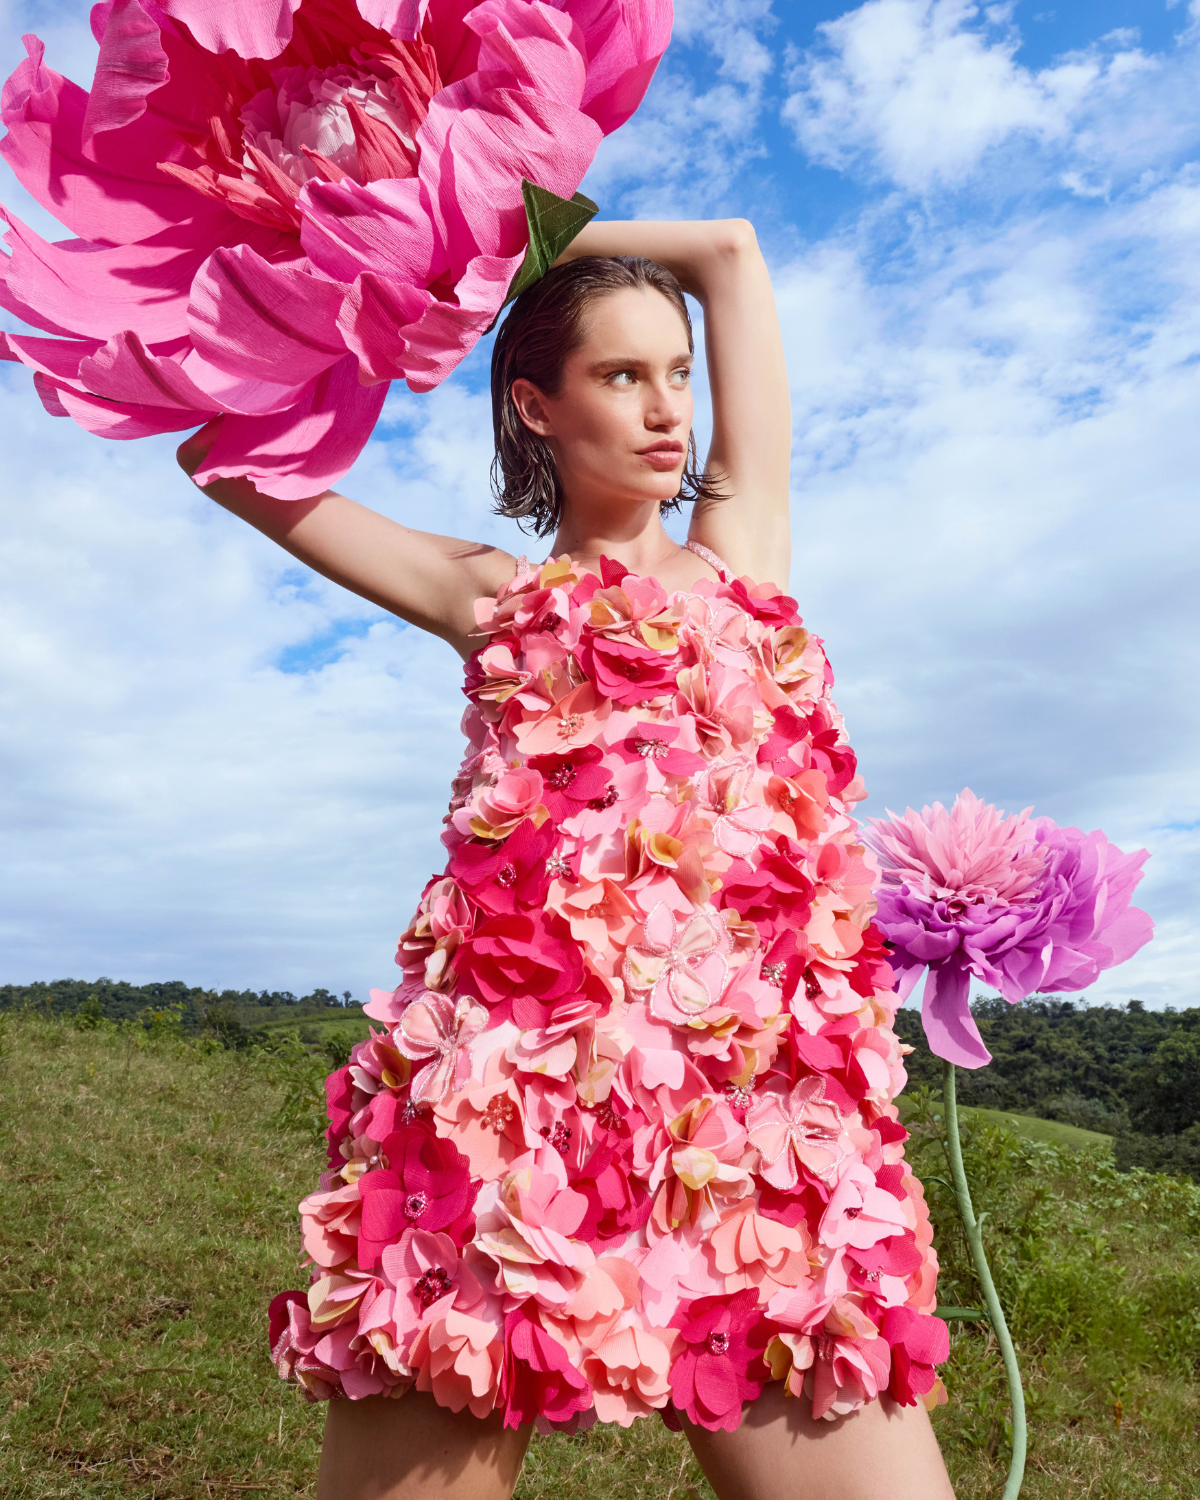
(544, 327)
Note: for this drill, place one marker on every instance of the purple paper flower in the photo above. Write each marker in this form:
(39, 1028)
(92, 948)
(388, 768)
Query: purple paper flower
(1022, 904)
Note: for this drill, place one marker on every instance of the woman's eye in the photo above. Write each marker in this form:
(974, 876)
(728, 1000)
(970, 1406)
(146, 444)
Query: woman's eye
(681, 377)
(622, 377)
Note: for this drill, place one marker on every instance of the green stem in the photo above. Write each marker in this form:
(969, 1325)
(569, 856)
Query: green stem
(1016, 1394)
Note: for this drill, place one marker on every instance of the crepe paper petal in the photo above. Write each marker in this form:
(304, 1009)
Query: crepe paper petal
(399, 18)
(113, 419)
(251, 28)
(131, 65)
(258, 320)
(299, 452)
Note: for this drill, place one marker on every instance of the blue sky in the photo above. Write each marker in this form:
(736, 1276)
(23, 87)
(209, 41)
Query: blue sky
(982, 225)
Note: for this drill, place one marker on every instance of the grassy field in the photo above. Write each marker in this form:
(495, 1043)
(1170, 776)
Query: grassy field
(150, 1214)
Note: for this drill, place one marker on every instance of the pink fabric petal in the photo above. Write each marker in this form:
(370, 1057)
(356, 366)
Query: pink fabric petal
(124, 370)
(251, 30)
(300, 452)
(58, 358)
(258, 320)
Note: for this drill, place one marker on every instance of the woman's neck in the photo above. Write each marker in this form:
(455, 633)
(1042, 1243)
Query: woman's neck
(639, 540)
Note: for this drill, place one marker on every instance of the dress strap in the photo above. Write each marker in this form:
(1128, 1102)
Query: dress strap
(710, 558)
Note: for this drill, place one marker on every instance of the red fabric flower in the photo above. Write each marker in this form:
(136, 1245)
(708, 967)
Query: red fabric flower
(339, 1094)
(919, 1341)
(427, 1185)
(570, 782)
(777, 896)
(767, 603)
(523, 955)
(507, 875)
(624, 671)
(617, 1203)
(537, 1378)
(720, 1364)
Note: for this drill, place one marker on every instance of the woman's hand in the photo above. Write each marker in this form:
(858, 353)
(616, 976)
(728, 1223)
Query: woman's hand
(192, 452)
(719, 263)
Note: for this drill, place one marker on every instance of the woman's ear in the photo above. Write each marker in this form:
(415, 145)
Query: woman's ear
(531, 407)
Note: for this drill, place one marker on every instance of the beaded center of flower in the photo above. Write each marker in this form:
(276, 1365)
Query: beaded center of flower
(718, 1343)
(572, 724)
(602, 803)
(433, 1286)
(562, 776)
(499, 1114)
(651, 748)
(506, 876)
(559, 1137)
(415, 1205)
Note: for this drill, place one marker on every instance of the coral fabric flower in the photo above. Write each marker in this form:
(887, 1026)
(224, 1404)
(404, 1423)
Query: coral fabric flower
(427, 1184)
(719, 1364)
(1021, 903)
(529, 1234)
(630, 1373)
(282, 207)
(331, 1222)
(859, 1212)
(457, 1357)
(749, 1250)
(437, 1028)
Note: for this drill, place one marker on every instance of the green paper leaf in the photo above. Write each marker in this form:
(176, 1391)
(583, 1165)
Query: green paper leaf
(959, 1314)
(553, 224)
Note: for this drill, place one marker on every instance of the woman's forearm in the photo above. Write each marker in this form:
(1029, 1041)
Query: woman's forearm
(697, 251)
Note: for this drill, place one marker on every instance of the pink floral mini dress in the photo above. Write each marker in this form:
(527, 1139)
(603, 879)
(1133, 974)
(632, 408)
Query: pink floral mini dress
(624, 1139)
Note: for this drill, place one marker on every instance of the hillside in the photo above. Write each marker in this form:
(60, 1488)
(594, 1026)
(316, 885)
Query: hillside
(152, 1215)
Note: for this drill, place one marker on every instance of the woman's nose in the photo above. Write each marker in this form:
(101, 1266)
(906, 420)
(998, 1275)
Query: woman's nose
(664, 408)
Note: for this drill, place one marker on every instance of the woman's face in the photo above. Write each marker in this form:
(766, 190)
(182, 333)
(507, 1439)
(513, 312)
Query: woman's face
(618, 428)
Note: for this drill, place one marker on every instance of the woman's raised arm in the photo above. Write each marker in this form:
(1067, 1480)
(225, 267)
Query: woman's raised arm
(429, 580)
(720, 264)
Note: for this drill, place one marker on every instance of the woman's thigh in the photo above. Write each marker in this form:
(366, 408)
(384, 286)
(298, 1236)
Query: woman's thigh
(385, 1449)
(881, 1452)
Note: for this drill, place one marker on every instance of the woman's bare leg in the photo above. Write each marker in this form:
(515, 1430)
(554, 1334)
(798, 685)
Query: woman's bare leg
(414, 1449)
(882, 1452)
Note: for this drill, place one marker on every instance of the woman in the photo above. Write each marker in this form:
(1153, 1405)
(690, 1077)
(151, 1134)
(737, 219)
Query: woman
(658, 785)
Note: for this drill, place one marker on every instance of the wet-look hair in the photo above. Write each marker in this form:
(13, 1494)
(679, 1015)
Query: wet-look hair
(544, 327)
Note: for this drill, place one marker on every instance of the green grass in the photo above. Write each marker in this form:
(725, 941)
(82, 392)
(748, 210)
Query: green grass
(1028, 1127)
(150, 1215)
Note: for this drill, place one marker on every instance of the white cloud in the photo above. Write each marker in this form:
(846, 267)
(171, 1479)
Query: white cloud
(689, 142)
(995, 522)
(922, 90)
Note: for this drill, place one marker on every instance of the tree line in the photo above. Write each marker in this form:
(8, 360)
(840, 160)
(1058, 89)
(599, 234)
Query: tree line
(1129, 1072)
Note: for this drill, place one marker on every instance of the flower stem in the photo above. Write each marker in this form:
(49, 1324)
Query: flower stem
(1016, 1394)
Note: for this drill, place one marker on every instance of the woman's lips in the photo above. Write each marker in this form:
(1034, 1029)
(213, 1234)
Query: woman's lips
(663, 458)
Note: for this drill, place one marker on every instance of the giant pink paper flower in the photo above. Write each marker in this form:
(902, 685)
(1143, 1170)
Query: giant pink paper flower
(281, 205)
(1021, 903)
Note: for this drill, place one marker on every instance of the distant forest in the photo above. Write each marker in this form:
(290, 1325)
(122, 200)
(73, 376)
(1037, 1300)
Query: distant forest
(232, 1011)
(1126, 1071)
